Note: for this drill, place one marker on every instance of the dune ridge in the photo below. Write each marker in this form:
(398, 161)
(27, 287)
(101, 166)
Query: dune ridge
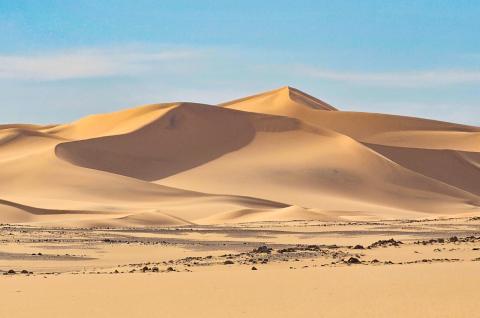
(384, 129)
(277, 156)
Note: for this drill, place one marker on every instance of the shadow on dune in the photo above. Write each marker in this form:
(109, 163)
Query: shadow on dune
(185, 137)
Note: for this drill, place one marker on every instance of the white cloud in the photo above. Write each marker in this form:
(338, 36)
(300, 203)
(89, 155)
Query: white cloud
(89, 63)
(399, 79)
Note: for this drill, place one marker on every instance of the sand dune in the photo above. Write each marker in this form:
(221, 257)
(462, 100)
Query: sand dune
(43, 181)
(290, 213)
(324, 172)
(279, 100)
(366, 127)
(452, 167)
(186, 136)
(281, 155)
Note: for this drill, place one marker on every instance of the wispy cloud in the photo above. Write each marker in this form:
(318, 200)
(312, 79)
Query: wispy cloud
(90, 63)
(399, 79)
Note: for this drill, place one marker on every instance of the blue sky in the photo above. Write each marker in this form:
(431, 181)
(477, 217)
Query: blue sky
(60, 60)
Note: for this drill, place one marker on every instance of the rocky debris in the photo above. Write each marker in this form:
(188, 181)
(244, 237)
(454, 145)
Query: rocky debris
(145, 268)
(263, 249)
(453, 239)
(228, 262)
(358, 247)
(385, 243)
(288, 250)
(434, 260)
(353, 260)
(254, 268)
(300, 248)
(170, 269)
(431, 241)
(155, 269)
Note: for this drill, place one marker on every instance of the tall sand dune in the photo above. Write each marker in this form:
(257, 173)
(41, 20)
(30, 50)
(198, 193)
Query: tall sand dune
(281, 155)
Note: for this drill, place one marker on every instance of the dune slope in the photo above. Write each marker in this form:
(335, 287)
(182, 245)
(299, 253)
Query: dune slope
(452, 167)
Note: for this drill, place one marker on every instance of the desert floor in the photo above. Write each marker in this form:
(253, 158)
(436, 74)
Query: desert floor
(396, 268)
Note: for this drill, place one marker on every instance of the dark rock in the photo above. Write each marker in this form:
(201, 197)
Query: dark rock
(384, 243)
(454, 239)
(263, 249)
(358, 247)
(228, 262)
(353, 260)
(254, 268)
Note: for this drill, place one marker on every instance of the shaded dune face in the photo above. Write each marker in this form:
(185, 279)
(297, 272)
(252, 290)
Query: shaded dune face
(185, 137)
(277, 156)
(459, 169)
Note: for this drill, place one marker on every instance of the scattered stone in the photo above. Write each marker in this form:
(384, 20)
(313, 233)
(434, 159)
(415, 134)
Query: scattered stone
(358, 247)
(287, 250)
(24, 271)
(155, 269)
(263, 249)
(228, 262)
(453, 239)
(353, 260)
(145, 268)
(11, 271)
(170, 269)
(385, 243)
(254, 268)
